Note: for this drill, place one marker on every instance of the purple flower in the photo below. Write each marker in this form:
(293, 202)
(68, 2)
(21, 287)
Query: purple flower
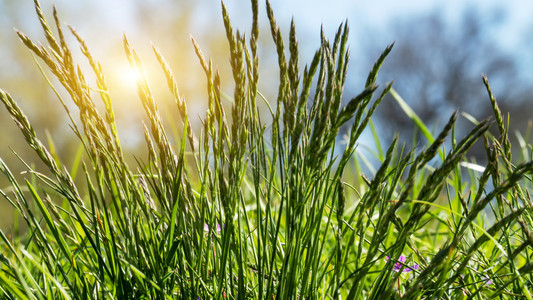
(487, 280)
(400, 266)
(218, 228)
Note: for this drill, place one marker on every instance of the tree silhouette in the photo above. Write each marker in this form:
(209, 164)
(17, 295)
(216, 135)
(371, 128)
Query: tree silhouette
(437, 65)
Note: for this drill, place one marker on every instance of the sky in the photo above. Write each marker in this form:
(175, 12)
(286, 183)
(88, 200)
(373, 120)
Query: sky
(367, 19)
(309, 14)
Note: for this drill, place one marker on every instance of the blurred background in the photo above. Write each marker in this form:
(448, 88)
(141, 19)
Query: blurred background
(441, 49)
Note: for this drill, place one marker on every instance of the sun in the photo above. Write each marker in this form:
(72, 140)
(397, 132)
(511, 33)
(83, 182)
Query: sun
(129, 76)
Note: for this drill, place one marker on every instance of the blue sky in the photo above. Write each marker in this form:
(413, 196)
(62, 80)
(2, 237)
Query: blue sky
(309, 14)
(119, 16)
(367, 19)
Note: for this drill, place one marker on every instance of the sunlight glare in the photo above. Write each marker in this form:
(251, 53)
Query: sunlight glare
(130, 76)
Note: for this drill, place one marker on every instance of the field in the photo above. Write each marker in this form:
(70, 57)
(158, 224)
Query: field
(263, 206)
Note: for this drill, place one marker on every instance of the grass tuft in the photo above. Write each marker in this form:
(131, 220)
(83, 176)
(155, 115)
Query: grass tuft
(268, 206)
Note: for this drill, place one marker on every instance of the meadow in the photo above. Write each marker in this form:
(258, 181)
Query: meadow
(262, 206)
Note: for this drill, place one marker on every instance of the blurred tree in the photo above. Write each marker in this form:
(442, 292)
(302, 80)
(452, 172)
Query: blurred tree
(436, 66)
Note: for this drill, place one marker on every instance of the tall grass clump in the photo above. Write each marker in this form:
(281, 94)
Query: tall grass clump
(262, 206)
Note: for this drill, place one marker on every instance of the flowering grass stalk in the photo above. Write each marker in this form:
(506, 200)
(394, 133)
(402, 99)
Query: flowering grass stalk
(300, 219)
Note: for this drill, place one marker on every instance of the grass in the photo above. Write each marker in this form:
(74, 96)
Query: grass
(253, 206)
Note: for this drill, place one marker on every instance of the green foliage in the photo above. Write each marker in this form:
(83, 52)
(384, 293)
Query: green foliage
(248, 208)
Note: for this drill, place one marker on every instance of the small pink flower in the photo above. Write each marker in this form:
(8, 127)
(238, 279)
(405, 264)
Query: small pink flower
(399, 266)
(218, 228)
(487, 280)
